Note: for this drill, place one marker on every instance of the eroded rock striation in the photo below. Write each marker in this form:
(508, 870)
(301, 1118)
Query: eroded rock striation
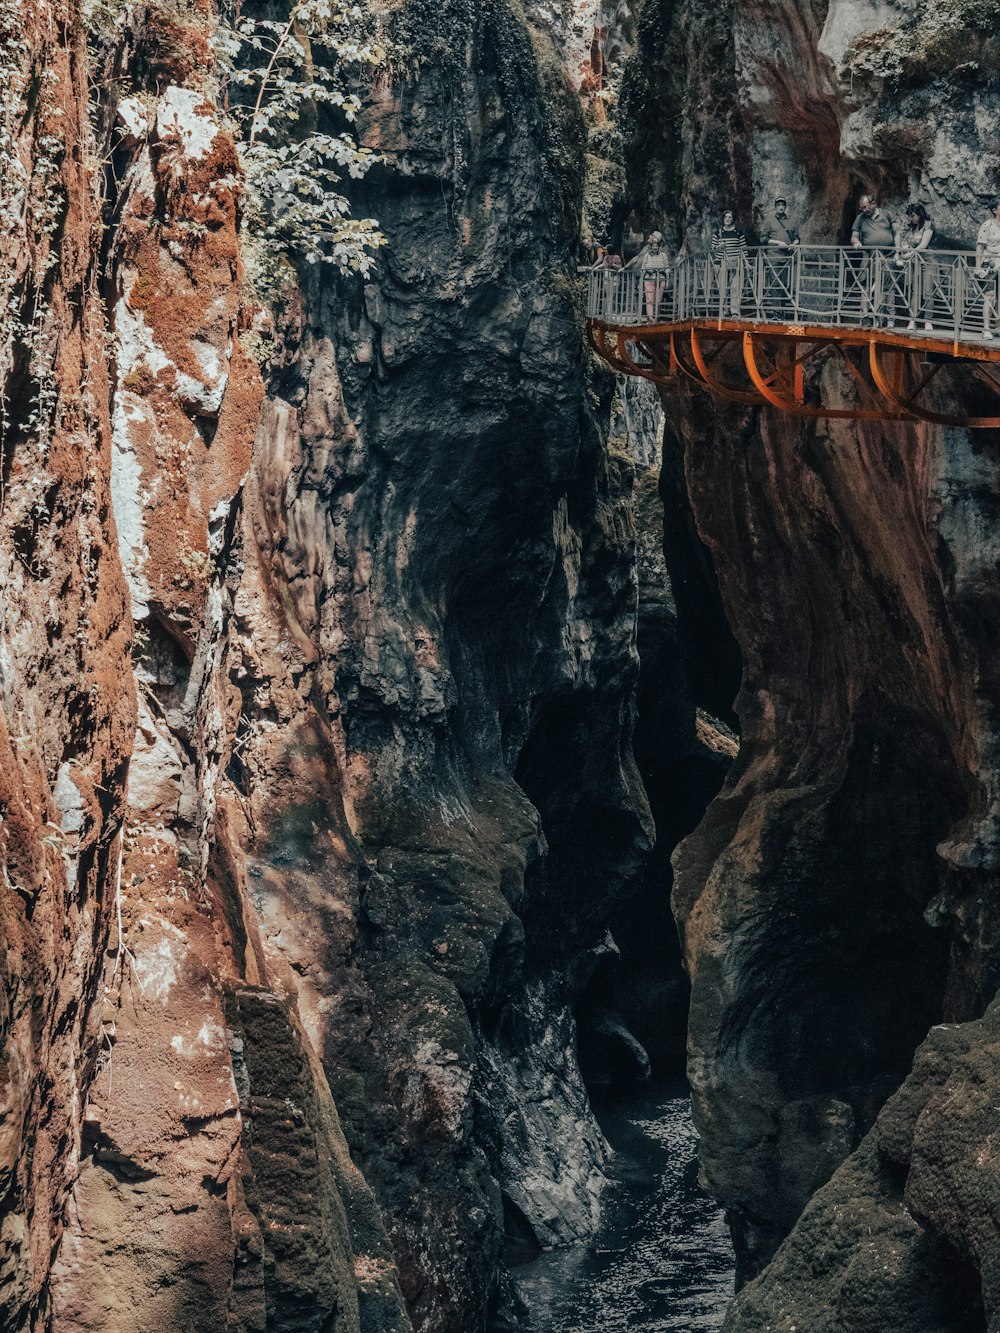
(835, 900)
(331, 773)
(68, 710)
(319, 671)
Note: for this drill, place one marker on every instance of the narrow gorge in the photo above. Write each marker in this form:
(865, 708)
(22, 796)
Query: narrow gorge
(421, 746)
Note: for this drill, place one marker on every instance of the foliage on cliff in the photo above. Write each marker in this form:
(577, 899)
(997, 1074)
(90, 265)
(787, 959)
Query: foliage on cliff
(294, 74)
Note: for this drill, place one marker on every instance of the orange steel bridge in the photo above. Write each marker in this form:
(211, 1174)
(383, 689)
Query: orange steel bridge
(895, 329)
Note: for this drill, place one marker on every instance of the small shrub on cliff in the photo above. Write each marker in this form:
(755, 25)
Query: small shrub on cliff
(289, 85)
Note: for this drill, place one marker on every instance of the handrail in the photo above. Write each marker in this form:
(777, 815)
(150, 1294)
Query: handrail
(935, 291)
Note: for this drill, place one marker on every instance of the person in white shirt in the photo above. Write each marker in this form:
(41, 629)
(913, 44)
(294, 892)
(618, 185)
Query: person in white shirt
(988, 266)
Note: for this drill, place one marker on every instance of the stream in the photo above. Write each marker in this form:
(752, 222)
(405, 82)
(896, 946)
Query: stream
(662, 1261)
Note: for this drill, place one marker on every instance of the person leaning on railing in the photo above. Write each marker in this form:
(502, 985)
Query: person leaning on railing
(606, 259)
(609, 296)
(912, 242)
(603, 298)
(872, 230)
(780, 236)
(988, 266)
(654, 265)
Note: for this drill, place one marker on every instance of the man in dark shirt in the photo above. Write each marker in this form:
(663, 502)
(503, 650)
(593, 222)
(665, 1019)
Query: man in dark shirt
(781, 237)
(780, 234)
(873, 230)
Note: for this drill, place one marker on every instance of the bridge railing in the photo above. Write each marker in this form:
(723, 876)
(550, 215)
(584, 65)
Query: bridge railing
(939, 291)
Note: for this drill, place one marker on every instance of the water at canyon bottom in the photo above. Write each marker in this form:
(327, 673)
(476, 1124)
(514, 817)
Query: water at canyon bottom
(662, 1261)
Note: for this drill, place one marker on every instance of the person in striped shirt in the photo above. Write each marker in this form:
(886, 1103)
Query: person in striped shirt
(729, 250)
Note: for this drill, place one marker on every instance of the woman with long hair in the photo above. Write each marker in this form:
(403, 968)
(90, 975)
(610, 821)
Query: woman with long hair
(912, 244)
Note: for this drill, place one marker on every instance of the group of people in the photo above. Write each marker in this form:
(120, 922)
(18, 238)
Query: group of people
(900, 241)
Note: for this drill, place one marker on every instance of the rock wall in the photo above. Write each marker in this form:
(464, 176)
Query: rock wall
(327, 850)
(319, 669)
(215, 1187)
(67, 711)
(835, 900)
(459, 559)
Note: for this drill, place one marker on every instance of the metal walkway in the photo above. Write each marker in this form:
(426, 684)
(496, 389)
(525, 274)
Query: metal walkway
(760, 331)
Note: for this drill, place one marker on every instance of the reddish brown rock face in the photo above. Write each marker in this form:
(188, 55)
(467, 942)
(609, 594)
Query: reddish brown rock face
(268, 845)
(309, 876)
(68, 708)
(187, 394)
(210, 1131)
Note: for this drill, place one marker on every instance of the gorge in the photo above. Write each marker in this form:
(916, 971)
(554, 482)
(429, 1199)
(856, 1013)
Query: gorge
(410, 733)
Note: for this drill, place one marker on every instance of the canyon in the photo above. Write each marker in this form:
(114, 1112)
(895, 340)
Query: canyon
(408, 729)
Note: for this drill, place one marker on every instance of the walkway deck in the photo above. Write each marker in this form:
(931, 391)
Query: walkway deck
(749, 332)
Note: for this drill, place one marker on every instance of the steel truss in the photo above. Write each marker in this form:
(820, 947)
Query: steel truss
(768, 365)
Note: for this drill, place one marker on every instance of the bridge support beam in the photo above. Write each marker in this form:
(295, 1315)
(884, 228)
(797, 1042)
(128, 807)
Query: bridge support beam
(902, 377)
(766, 365)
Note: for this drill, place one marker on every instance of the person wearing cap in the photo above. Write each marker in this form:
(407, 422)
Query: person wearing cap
(781, 239)
(779, 232)
(653, 264)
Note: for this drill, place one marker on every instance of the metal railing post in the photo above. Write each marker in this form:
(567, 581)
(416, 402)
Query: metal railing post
(841, 276)
(796, 286)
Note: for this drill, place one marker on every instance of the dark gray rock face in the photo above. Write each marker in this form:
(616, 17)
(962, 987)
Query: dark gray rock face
(834, 901)
(905, 1231)
(453, 550)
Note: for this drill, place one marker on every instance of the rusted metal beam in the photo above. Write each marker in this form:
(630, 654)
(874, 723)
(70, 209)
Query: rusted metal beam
(775, 356)
(891, 383)
(706, 367)
(782, 387)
